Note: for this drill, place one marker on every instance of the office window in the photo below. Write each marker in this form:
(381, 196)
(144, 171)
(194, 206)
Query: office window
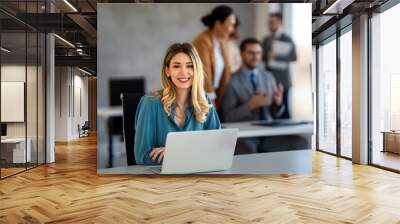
(385, 89)
(346, 93)
(327, 96)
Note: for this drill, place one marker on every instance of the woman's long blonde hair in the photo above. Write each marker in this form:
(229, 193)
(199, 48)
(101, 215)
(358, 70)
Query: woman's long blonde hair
(168, 93)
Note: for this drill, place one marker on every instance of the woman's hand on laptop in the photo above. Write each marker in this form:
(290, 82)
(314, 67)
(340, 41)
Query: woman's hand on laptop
(157, 152)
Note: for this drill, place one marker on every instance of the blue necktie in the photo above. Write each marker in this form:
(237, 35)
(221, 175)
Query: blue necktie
(254, 80)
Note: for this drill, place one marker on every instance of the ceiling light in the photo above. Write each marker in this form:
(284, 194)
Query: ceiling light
(337, 7)
(84, 71)
(5, 50)
(70, 5)
(64, 40)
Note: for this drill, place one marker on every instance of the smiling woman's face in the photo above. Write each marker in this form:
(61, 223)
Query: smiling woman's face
(180, 70)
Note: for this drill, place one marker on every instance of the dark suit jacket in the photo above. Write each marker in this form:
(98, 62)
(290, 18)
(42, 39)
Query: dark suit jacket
(281, 75)
(238, 93)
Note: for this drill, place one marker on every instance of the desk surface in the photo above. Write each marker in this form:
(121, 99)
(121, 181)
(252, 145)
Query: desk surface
(292, 162)
(14, 140)
(247, 129)
(390, 132)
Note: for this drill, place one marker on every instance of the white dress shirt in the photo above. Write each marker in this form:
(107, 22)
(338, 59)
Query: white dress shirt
(219, 67)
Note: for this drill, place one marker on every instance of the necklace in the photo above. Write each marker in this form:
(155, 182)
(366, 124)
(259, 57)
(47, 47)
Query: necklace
(179, 108)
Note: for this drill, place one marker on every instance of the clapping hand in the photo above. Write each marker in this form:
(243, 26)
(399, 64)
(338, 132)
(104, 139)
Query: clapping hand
(260, 99)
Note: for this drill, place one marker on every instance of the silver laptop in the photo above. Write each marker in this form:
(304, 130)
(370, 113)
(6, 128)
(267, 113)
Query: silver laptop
(198, 151)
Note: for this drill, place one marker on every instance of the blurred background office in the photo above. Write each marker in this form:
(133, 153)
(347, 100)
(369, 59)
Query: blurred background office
(48, 83)
(132, 39)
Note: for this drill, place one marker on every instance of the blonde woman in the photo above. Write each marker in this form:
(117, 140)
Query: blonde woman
(181, 105)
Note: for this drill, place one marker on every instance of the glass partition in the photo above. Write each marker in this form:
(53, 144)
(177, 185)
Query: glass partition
(346, 93)
(385, 89)
(32, 95)
(14, 153)
(22, 87)
(327, 96)
(41, 96)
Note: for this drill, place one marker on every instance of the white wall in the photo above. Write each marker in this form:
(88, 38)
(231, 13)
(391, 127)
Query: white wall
(70, 83)
(301, 94)
(15, 72)
(33, 126)
(81, 84)
(61, 103)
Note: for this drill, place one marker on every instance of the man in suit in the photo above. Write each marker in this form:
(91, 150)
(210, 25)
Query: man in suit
(253, 94)
(279, 52)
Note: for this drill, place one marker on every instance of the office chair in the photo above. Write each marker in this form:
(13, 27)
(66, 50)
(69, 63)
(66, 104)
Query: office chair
(220, 115)
(130, 102)
(84, 129)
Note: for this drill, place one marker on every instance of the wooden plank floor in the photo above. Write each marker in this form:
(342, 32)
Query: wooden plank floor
(10, 171)
(70, 191)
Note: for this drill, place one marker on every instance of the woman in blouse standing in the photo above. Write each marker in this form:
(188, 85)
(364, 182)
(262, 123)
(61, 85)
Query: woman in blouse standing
(211, 46)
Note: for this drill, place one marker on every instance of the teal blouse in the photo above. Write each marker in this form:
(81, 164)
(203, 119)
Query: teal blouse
(152, 126)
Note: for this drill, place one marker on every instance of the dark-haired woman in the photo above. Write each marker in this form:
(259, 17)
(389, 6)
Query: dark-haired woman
(211, 46)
